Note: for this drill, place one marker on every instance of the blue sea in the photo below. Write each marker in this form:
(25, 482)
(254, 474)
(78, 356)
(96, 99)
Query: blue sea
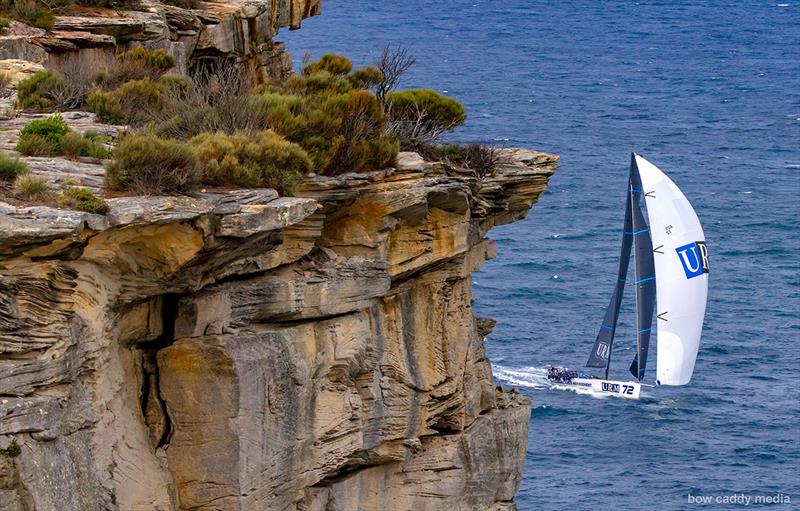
(709, 92)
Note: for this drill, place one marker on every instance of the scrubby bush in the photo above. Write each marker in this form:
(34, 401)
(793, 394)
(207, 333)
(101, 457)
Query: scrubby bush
(10, 167)
(266, 160)
(31, 187)
(82, 199)
(365, 77)
(90, 144)
(419, 117)
(136, 64)
(36, 145)
(347, 133)
(72, 145)
(5, 80)
(220, 102)
(320, 83)
(336, 65)
(133, 102)
(42, 137)
(77, 74)
(12, 450)
(33, 12)
(149, 164)
(38, 92)
(328, 112)
(481, 159)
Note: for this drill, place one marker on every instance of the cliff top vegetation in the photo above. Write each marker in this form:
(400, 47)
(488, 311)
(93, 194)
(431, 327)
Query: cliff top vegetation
(218, 127)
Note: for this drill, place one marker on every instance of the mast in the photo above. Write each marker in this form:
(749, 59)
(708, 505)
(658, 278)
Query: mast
(644, 266)
(635, 201)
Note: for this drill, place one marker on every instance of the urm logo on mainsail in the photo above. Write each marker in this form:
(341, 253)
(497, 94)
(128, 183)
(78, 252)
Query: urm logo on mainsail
(694, 258)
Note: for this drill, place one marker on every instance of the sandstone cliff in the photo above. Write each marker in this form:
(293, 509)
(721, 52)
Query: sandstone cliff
(241, 351)
(83, 38)
(236, 350)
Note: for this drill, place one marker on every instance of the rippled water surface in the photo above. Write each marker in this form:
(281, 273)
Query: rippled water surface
(709, 92)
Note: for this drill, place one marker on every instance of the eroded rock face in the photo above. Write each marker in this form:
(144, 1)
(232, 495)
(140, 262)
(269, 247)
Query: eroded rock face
(85, 38)
(239, 351)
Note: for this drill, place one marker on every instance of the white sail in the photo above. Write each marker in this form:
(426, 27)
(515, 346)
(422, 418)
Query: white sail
(681, 264)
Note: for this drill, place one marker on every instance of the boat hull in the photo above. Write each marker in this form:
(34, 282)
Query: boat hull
(625, 389)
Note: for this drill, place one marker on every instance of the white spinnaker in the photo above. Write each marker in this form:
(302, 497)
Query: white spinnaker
(680, 299)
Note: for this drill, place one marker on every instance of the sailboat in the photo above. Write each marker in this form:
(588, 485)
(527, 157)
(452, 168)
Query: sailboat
(671, 279)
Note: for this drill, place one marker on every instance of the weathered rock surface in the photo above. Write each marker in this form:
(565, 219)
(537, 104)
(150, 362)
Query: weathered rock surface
(240, 351)
(239, 29)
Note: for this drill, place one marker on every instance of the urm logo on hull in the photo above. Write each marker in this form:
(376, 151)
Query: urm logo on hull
(694, 259)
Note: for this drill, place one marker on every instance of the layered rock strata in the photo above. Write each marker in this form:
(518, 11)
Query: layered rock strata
(240, 351)
(85, 39)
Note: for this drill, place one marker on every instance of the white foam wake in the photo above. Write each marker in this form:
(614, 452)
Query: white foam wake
(536, 378)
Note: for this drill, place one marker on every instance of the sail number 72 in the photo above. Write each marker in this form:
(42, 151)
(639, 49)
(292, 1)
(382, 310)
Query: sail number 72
(615, 388)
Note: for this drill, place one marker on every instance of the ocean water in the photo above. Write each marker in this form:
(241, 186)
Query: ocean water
(709, 92)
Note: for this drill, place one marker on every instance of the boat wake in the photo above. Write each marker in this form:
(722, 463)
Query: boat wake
(536, 378)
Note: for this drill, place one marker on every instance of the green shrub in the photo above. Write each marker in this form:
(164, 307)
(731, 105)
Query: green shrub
(38, 92)
(73, 145)
(336, 65)
(31, 187)
(36, 145)
(148, 164)
(10, 168)
(5, 80)
(286, 114)
(132, 103)
(321, 83)
(173, 84)
(348, 134)
(420, 117)
(4, 22)
(33, 12)
(365, 77)
(42, 137)
(267, 160)
(82, 199)
(12, 450)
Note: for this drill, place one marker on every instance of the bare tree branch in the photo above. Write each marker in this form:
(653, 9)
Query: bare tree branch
(394, 62)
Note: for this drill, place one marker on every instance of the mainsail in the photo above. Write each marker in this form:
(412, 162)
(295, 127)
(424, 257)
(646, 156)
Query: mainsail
(681, 270)
(645, 275)
(601, 351)
(636, 234)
